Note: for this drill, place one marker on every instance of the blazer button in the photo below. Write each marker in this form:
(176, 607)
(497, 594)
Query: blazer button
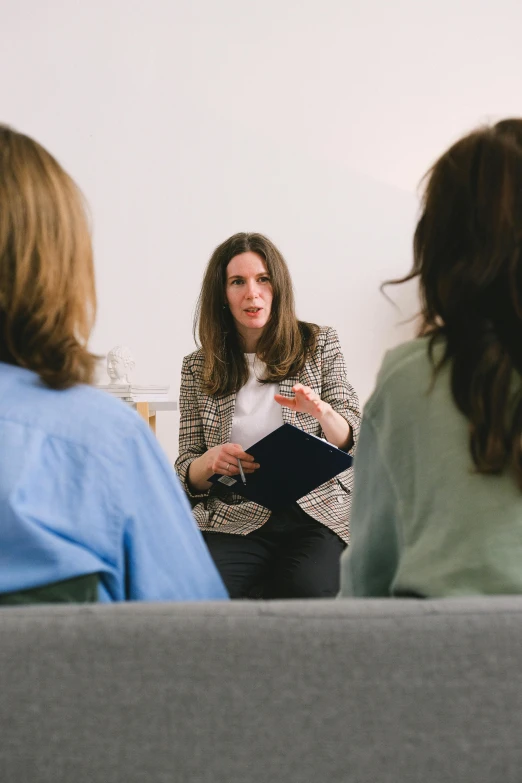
(339, 499)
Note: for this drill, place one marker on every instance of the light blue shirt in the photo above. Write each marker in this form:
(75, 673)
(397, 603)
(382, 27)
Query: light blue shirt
(85, 487)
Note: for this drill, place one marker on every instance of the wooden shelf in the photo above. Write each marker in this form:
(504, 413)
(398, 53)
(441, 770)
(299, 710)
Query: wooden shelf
(148, 410)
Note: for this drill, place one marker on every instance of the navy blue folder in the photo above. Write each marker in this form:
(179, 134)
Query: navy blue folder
(293, 463)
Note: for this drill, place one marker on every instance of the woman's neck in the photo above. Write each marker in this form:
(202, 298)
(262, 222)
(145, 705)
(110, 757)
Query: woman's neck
(250, 341)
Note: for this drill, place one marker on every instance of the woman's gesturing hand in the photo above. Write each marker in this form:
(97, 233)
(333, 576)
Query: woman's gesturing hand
(336, 429)
(223, 460)
(305, 401)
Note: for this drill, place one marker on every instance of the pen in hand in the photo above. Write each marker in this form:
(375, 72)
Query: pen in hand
(241, 472)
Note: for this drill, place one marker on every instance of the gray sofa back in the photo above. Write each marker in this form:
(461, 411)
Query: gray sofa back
(251, 692)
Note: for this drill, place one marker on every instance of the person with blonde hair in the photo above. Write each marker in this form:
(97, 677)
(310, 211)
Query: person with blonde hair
(437, 507)
(85, 490)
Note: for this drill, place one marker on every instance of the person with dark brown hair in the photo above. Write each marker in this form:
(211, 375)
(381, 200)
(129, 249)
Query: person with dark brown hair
(259, 366)
(438, 477)
(89, 506)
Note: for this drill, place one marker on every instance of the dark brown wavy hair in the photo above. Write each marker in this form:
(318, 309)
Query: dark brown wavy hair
(468, 261)
(285, 342)
(47, 294)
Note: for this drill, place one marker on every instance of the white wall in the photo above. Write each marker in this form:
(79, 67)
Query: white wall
(186, 121)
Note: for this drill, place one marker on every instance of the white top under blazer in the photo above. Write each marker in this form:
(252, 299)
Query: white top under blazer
(256, 413)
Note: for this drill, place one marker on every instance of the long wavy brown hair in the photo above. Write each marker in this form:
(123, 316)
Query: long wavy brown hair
(285, 342)
(47, 293)
(468, 261)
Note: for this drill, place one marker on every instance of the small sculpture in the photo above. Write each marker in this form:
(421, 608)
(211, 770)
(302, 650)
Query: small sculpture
(120, 364)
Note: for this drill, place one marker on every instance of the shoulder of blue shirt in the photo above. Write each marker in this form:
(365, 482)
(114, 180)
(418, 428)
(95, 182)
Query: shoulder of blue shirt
(81, 414)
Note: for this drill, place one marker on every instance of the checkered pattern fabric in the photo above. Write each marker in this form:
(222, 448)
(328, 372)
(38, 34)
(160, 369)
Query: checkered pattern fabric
(206, 421)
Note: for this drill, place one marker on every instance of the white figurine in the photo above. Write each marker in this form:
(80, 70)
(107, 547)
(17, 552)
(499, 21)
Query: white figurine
(120, 364)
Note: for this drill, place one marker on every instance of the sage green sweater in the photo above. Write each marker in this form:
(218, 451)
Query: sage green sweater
(423, 520)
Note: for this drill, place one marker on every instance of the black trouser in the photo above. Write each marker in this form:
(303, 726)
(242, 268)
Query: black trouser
(290, 556)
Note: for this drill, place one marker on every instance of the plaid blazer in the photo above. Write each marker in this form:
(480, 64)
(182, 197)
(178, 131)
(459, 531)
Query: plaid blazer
(206, 421)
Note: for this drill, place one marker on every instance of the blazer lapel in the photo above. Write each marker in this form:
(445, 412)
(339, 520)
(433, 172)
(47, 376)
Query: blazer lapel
(285, 388)
(226, 407)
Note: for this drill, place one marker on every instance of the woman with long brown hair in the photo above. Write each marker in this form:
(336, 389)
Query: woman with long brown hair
(89, 506)
(438, 478)
(257, 367)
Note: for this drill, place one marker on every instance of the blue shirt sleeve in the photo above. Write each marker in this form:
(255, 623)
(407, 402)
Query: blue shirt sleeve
(165, 555)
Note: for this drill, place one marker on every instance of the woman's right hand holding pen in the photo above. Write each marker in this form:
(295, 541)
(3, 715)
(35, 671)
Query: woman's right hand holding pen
(222, 459)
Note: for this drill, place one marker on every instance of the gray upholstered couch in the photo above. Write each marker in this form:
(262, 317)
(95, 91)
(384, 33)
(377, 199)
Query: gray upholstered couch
(252, 692)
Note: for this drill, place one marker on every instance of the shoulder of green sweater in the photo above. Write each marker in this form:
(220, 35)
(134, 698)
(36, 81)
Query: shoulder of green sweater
(398, 366)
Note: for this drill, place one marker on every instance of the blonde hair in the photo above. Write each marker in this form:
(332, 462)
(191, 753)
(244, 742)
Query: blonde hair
(47, 291)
